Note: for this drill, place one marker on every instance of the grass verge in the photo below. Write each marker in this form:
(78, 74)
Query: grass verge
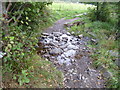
(105, 50)
(42, 74)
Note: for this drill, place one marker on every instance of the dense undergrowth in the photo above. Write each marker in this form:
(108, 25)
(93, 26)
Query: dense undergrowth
(22, 67)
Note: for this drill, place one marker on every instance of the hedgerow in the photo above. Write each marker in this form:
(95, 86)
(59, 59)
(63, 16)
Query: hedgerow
(20, 27)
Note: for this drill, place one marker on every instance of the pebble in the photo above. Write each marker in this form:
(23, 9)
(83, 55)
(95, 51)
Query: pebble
(70, 53)
(80, 36)
(55, 51)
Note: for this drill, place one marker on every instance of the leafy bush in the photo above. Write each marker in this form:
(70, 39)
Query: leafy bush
(100, 13)
(19, 36)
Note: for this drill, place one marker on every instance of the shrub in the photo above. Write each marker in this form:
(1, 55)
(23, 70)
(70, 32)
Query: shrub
(100, 13)
(19, 36)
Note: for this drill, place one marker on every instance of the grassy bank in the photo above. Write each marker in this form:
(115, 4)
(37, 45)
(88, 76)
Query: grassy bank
(105, 47)
(42, 74)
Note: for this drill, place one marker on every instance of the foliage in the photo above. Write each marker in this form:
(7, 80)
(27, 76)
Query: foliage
(100, 13)
(45, 73)
(23, 77)
(20, 36)
(40, 74)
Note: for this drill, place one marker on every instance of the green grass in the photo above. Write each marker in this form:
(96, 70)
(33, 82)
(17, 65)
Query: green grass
(70, 6)
(68, 10)
(47, 76)
(105, 32)
(42, 74)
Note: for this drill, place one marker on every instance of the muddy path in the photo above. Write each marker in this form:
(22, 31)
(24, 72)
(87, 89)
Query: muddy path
(70, 55)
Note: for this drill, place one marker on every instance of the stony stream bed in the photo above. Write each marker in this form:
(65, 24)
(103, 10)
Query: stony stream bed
(70, 55)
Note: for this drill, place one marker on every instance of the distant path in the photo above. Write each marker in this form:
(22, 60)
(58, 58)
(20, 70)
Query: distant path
(70, 55)
(59, 25)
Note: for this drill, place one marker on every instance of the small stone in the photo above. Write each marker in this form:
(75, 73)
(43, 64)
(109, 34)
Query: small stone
(46, 41)
(84, 48)
(46, 56)
(80, 36)
(70, 53)
(60, 61)
(72, 33)
(94, 41)
(68, 33)
(42, 36)
(63, 43)
(65, 37)
(45, 34)
(57, 39)
(46, 47)
(51, 37)
(67, 61)
(2, 54)
(83, 77)
(56, 43)
(56, 51)
(72, 60)
(72, 47)
(64, 46)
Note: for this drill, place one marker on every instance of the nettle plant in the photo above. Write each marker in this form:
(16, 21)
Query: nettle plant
(20, 25)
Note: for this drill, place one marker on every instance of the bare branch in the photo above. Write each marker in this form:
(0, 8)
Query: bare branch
(9, 20)
(8, 7)
(15, 16)
(13, 7)
(17, 19)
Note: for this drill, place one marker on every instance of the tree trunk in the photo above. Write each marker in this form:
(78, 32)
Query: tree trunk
(4, 23)
(0, 25)
(97, 14)
(0, 14)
